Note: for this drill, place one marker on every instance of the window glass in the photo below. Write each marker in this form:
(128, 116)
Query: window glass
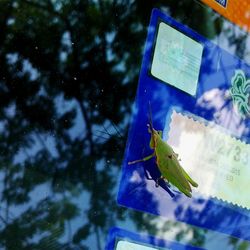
(69, 72)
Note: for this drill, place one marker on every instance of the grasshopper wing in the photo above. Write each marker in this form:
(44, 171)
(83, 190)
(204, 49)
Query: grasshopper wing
(190, 180)
(170, 167)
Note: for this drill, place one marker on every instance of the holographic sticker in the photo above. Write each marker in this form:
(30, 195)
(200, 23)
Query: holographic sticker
(177, 59)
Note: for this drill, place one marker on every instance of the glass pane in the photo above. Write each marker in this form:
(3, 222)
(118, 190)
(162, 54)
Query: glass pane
(69, 72)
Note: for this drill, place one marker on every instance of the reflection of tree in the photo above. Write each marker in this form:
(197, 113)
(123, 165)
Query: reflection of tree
(46, 57)
(67, 69)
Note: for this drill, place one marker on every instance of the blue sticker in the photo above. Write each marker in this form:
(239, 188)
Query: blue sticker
(202, 108)
(120, 239)
(223, 3)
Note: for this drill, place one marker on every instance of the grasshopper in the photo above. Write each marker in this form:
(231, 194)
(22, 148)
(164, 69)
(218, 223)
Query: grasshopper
(167, 162)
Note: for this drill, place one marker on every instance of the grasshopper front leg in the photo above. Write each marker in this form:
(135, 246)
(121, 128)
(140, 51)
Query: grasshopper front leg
(143, 159)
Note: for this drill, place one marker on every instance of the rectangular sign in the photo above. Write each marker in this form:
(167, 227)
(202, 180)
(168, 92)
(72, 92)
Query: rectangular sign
(198, 95)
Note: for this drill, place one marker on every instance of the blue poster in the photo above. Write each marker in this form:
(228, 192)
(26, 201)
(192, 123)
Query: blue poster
(188, 152)
(120, 239)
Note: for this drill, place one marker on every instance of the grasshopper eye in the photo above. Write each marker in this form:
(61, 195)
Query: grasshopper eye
(149, 129)
(159, 132)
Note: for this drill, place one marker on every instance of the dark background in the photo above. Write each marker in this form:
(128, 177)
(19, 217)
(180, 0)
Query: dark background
(68, 77)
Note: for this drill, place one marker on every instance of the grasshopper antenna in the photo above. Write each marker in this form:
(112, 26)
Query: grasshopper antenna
(150, 125)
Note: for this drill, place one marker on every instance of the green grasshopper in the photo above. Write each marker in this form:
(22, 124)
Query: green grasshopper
(167, 162)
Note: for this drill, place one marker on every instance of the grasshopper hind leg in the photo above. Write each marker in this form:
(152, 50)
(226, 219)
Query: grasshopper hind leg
(157, 181)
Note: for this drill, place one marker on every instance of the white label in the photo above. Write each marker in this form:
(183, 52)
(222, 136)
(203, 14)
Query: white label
(177, 59)
(219, 163)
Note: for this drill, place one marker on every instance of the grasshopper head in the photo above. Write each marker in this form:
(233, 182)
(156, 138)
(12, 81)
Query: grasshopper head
(154, 136)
